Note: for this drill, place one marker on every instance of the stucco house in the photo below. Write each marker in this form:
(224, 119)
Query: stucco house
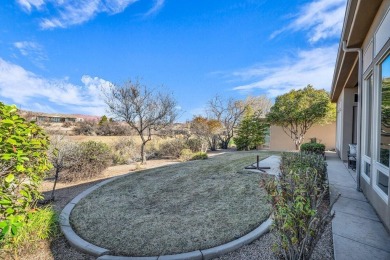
(361, 89)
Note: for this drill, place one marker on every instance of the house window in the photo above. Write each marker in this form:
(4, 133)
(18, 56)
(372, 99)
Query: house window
(367, 169)
(382, 175)
(367, 120)
(382, 181)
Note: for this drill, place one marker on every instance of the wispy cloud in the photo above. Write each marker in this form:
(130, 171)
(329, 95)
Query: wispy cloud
(33, 51)
(73, 12)
(321, 19)
(158, 4)
(28, 5)
(313, 67)
(25, 88)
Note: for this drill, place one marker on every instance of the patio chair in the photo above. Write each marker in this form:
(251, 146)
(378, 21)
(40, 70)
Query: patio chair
(352, 156)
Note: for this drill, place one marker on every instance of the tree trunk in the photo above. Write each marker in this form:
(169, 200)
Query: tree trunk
(143, 154)
(55, 183)
(225, 144)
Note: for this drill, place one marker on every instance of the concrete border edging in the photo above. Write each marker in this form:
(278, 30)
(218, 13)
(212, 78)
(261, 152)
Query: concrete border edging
(235, 244)
(103, 253)
(75, 240)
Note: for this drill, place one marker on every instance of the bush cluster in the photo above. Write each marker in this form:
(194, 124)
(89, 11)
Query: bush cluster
(172, 148)
(181, 148)
(105, 129)
(89, 160)
(316, 148)
(299, 203)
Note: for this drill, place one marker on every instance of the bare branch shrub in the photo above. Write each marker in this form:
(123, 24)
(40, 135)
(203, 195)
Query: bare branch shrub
(90, 159)
(124, 151)
(172, 148)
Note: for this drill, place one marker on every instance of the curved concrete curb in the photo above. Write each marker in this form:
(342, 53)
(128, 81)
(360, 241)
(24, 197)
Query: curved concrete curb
(103, 254)
(73, 239)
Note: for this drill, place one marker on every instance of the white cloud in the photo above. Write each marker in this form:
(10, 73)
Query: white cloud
(313, 67)
(74, 12)
(322, 19)
(33, 51)
(28, 5)
(24, 88)
(156, 7)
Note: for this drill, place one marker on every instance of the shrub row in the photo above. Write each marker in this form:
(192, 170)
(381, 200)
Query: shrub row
(89, 159)
(105, 129)
(300, 208)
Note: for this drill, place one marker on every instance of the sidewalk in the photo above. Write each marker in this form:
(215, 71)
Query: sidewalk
(357, 230)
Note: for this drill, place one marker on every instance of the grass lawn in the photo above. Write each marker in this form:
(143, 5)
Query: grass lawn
(174, 209)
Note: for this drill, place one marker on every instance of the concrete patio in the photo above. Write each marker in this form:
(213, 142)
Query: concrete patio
(357, 231)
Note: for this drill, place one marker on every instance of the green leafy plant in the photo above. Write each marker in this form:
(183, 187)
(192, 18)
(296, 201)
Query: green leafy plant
(23, 164)
(199, 156)
(41, 224)
(186, 155)
(300, 209)
(313, 148)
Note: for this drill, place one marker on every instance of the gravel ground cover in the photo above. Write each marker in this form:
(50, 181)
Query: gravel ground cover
(174, 209)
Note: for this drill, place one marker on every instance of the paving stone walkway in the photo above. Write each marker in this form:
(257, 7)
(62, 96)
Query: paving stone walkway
(357, 231)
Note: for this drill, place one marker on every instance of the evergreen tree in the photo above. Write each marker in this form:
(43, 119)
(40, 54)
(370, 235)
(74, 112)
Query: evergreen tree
(251, 131)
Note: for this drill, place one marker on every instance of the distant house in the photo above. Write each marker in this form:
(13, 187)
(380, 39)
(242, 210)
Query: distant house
(50, 118)
(57, 118)
(361, 89)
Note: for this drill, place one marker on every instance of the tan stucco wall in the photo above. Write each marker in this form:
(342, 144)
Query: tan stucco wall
(280, 141)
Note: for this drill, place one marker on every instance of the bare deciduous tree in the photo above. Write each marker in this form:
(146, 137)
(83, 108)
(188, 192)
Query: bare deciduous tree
(228, 112)
(145, 110)
(259, 105)
(61, 153)
(206, 130)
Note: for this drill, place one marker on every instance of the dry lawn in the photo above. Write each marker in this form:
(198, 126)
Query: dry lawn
(176, 208)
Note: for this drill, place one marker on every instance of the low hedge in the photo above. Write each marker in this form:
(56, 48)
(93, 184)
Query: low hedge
(313, 148)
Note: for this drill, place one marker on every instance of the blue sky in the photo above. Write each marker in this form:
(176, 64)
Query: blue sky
(56, 55)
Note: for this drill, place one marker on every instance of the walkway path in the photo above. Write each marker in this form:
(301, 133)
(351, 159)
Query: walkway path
(357, 230)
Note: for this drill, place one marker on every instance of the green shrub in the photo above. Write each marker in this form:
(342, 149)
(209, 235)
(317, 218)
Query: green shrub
(313, 148)
(199, 156)
(299, 207)
(41, 224)
(90, 160)
(23, 164)
(186, 155)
